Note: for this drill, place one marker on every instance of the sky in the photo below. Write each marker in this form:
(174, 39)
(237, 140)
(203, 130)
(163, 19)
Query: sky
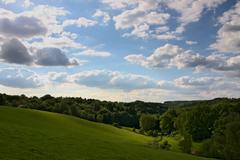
(125, 50)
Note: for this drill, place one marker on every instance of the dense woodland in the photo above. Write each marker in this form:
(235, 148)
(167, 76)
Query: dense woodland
(215, 123)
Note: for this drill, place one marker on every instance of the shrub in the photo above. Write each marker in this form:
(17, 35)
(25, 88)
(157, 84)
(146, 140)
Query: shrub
(165, 145)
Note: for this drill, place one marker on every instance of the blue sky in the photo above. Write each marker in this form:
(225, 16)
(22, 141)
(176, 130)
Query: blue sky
(123, 50)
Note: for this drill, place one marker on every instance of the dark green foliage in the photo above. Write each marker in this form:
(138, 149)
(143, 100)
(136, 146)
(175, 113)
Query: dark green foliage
(148, 122)
(186, 143)
(225, 142)
(165, 145)
(2, 99)
(232, 141)
(167, 122)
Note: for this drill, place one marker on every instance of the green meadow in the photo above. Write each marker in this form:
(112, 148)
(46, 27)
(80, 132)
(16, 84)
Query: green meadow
(27, 134)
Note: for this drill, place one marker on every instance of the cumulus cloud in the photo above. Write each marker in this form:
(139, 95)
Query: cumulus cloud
(105, 16)
(13, 51)
(8, 1)
(228, 36)
(22, 26)
(112, 80)
(53, 57)
(192, 82)
(27, 3)
(80, 22)
(50, 20)
(169, 56)
(191, 10)
(144, 18)
(140, 21)
(19, 78)
(94, 53)
(207, 87)
(141, 18)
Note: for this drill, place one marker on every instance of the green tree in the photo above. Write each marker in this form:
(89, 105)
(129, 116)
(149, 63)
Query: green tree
(232, 141)
(167, 121)
(147, 122)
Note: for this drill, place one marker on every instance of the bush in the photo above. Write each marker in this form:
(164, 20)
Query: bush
(165, 145)
(150, 133)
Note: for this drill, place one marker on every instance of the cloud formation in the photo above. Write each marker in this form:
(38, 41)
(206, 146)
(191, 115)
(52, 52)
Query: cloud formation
(19, 78)
(141, 18)
(80, 22)
(53, 57)
(228, 36)
(191, 10)
(104, 15)
(13, 51)
(110, 79)
(22, 27)
(169, 56)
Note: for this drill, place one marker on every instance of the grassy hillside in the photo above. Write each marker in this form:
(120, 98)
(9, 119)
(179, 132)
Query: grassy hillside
(30, 134)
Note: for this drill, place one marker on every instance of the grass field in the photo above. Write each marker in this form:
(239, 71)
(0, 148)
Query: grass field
(36, 135)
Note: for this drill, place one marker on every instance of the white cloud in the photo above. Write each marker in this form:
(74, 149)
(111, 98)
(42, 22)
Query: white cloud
(207, 87)
(139, 21)
(13, 51)
(80, 22)
(22, 27)
(192, 82)
(191, 10)
(106, 17)
(139, 17)
(64, 40)
(19, 78)
(50, 20)
(94, 53)
(228, 36)
(27, 3)
(8, 1)
(38, 29)
(169, 56)
(112, 80)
